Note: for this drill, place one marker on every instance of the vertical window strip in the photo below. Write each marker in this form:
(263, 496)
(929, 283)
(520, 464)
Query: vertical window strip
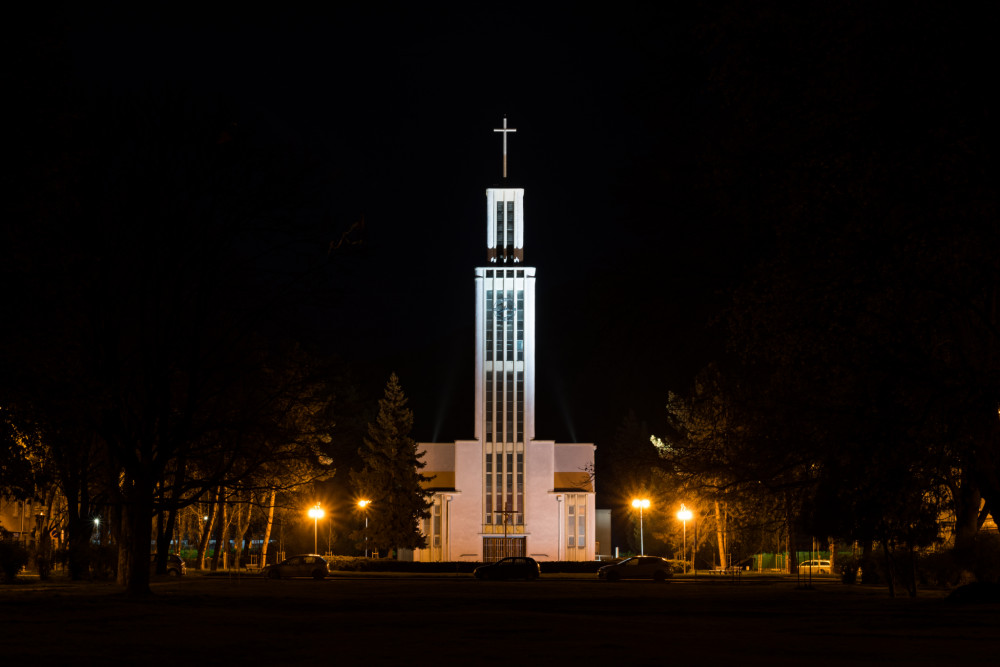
(489, 406)
(520, 488)
(520, 325)
(510, 223)
(519, 400)
(509, 325)
(499, 225)
(499, 323)
(510, 482)
(437, 523)
(489, 487)
(509, 381)
(489, 325)
(570, 521)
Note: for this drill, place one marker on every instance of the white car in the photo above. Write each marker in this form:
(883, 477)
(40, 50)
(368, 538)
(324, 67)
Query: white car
(815, 567)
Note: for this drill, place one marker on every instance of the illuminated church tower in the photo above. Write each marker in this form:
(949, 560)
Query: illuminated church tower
(505, 493)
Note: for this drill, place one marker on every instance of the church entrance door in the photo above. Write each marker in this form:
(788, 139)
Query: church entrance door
(495, 548)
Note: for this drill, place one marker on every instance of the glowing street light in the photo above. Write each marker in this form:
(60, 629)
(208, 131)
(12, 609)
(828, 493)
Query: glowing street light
(641, 505)
(684, 514)
(316, 513)
(363, 504)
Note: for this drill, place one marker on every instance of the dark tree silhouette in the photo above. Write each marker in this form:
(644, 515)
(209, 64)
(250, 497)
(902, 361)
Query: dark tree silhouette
(391, 477)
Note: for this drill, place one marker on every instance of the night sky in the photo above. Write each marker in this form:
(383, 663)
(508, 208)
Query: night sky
(626, 144)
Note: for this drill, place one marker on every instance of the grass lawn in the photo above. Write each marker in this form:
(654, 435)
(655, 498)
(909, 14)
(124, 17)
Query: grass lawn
(425, 619)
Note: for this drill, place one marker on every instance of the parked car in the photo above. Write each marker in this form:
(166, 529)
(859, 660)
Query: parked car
(303, 565)
(512, 567)
(637, 567)
(175, 565)
(815, 567)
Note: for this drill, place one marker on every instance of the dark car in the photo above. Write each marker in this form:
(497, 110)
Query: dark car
(303, 565)
(637, 567)
(512, 567)
(175, 565)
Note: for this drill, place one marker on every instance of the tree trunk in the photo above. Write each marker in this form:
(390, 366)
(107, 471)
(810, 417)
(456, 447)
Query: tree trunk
(44, 546)
(165, 525)
(909, 577)
(242, 519)
(867, 563)
(967, 500)
(161, 559)
(220, 542)
(790, 566)
(889, 569)
(267, 528)
(136, 524)
(79, 526)
(720, 533)
(207, 527)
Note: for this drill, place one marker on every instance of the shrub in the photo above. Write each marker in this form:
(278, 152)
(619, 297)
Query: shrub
(13, 557)
(938, 569)
(357, 564)
(43, 563)
(104, 562)
(986, 558)
(849, 569)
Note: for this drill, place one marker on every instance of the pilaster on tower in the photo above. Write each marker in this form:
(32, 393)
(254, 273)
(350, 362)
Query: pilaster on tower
(505, 226)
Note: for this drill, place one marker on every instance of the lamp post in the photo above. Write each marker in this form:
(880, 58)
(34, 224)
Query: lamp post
(316, 513)
(363, 504)
(641, 504)
(685, 515)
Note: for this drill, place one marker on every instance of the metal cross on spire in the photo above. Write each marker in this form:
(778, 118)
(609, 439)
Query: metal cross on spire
(505, 130)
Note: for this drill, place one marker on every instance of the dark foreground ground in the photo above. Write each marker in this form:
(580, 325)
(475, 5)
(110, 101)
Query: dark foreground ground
(422, 620)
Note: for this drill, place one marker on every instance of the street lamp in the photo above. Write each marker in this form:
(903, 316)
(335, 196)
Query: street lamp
(641, 504)
(363, 504)
(316, 513)
(685, 515)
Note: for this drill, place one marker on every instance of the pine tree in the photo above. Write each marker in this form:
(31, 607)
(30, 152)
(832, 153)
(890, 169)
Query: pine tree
(391, 477)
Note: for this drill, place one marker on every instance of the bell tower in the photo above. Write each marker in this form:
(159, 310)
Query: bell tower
(503, 492)
(505, 226)
(505, 355)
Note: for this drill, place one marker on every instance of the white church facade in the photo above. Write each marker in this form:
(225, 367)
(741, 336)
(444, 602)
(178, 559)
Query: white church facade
(505, 492)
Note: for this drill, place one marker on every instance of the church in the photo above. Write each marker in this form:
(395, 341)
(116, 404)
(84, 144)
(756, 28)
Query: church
(506, 492)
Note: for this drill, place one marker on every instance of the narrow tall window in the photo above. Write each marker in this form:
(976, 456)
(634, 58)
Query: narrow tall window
(520, 406)
(489, 406)
(489, 488)
(509, 324)
(509, 381)
(510, 481)
(437, 523)
(510, 224)
(489, 325)
(520, 488)
(520, 325)
(570, 521)
(499, 225)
